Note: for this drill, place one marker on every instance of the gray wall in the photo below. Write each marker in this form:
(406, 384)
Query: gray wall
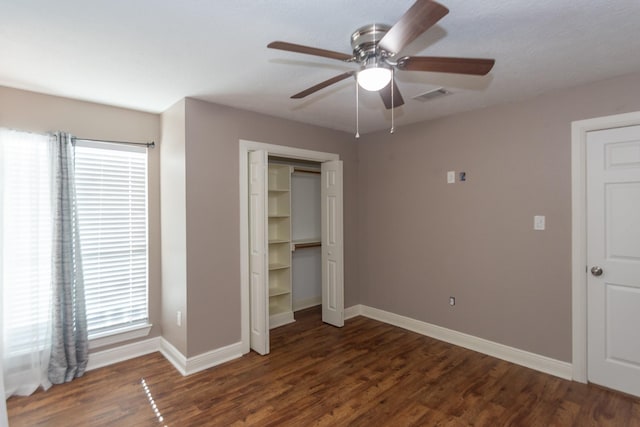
(174, 228)
(421, 240)
(411, 240)
(213, 133)
(34, 112)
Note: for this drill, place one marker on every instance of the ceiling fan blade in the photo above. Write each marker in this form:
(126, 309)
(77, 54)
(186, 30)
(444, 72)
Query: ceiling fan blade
(420, 17)
(385, 94)
(475, 66)
(291, 47)
(322, 85)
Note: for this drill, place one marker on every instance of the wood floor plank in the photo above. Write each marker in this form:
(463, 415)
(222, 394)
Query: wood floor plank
(365, 374)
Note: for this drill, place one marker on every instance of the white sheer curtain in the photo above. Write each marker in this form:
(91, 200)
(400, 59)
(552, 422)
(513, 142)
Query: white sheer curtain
(25, 260)
(4, 419)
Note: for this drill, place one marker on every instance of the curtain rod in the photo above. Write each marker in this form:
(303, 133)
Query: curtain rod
(151, 144)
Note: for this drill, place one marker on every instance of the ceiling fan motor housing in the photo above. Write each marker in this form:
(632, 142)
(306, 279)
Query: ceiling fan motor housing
(364, 42)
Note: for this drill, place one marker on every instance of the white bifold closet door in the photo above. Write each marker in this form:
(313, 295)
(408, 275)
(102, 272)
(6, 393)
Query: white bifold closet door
(332, 243)
(258, 252)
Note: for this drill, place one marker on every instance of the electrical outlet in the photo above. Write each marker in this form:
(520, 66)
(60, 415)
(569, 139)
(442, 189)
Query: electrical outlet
(179, 318)
(452, 301)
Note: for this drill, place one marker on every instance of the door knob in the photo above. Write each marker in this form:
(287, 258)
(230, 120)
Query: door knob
(596, 271)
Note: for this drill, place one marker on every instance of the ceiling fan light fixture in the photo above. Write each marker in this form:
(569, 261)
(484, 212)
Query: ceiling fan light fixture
(374, 77)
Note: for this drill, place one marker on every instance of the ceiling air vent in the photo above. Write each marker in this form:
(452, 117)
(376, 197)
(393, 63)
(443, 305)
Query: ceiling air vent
(432, 94)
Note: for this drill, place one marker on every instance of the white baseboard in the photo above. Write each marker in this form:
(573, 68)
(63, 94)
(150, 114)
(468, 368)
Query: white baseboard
(184, 365)
(187, 366)
(307, 303)
(281, 319)
(514, 355)
(174, 356)
(213, 358)
(103, 358)
(353, 311)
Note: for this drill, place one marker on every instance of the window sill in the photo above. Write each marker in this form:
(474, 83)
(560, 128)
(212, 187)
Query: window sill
(119, 335)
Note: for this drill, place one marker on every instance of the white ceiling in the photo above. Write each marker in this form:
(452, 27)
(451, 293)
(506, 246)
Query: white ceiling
(148, 54)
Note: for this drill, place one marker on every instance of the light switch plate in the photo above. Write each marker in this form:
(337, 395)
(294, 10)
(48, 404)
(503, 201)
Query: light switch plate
(539, 222)
(451, 177)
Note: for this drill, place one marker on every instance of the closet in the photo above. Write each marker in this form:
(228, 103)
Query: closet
(294, 248)
(271, 246)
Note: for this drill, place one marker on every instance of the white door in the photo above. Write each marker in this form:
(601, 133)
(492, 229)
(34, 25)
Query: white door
(258, 263)
(332, 244)
(613, 256)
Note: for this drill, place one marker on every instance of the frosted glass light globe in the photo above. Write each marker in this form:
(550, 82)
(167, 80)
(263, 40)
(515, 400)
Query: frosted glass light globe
(375, 78)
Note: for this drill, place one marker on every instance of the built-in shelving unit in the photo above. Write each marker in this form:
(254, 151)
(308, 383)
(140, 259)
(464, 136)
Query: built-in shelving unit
(279, 222)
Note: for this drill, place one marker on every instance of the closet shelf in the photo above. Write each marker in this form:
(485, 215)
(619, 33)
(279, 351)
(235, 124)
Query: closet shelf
(307, 170)
(278, 307)
(276, 241)
(279, 190)
(276, 266)
(279, 216)
(278, 291)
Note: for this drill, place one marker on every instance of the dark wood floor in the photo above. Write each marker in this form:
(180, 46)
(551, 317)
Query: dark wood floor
(365, 374)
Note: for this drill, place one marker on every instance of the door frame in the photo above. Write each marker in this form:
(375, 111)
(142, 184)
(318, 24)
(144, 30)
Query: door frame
(278, 150)
(579, 130)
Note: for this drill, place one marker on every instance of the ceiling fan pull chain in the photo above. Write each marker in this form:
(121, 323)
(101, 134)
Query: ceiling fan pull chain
(357, 112)
(393, 80)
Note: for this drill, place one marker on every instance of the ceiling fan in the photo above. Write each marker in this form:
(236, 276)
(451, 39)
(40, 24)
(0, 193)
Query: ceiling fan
(376, 47)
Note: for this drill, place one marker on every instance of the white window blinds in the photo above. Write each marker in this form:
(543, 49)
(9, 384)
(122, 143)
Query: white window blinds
(111, 189)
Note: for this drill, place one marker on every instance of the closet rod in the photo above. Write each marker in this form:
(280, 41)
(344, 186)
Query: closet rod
(303, 170)
(151, 144)
(306, 245)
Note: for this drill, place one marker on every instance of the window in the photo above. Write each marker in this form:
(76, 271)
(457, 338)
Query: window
(111, 190)
(111, 187)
